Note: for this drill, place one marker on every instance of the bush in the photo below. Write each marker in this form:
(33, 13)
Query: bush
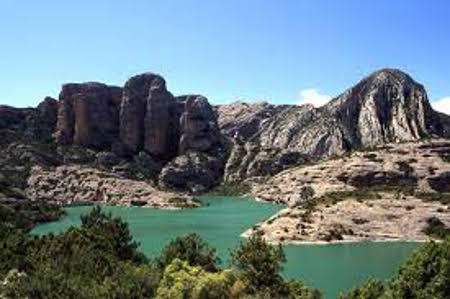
(443, 198)
(259, 262)
(404, 167)
(445, 158)
(230, 189)
(436, 228)
(181, 280)
(98, 260)
(110, 233)
(371, 289)
(192, 249)
(426, 274)
(24, 215)
(372, 157)
(259, 265)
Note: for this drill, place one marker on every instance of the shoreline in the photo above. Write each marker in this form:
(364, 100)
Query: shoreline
(341, 242)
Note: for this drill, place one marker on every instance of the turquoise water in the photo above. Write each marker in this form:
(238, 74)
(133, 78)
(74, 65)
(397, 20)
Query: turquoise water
(331, 268)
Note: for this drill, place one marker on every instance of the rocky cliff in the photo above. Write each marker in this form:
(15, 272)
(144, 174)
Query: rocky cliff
(142, 131)
(139, 132)
(387, 106)
(142, 119)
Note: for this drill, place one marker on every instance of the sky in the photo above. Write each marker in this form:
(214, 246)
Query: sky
(280, 51)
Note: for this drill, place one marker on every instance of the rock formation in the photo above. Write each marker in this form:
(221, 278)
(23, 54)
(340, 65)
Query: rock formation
(387, 106)
(133, 109)
(142, 131)
(157, 120)
(88, 115)
(142, 119)
(199, 131)
(202, 152)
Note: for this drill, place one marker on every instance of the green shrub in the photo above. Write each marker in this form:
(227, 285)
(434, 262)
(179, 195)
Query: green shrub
(426, 274)
(404, 167)
(371, 289)
(192, 249)
(181, 280)
(24, 215)
(259, 262)
(445, 158)
(230, 189)
(436, 228)
(443, 198)
(372, 157)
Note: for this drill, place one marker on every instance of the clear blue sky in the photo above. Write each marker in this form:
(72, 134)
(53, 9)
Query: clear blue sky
(226, 50)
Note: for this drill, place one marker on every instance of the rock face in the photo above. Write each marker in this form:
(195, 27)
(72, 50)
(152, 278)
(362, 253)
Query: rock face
(199, 130)
(157, 120)
(88, 115)
(202, 152)
(25, 139)
(144, 132)
(34, 123)
(141, 119)
(133, 110)
(388, 106)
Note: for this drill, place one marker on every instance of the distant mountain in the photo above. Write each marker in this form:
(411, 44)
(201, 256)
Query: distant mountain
(387, 106)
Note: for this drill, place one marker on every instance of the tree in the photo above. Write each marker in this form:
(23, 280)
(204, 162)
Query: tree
(111, 233)
(371, 289)
(192, 249)
(182, 280)
(259, 262)
(425, 275)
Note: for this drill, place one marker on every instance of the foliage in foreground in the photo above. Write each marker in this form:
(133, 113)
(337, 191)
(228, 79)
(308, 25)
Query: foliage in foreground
(192, 249)
(371, 289)
(426, 274)
(100, 259)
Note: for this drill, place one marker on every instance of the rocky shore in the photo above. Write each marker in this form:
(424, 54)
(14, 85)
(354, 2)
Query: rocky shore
(382, 194)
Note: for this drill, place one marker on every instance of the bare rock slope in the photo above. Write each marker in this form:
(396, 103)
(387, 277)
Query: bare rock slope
(387, 106)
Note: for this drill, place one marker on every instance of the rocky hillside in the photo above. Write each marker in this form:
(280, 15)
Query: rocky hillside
(386, 193)
(143, 132)
(144, 118)
(387, 106)
(138, 132)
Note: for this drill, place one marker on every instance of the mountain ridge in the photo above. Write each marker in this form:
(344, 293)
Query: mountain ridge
(182, 143)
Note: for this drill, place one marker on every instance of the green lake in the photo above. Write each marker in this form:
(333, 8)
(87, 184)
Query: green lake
(332, 268)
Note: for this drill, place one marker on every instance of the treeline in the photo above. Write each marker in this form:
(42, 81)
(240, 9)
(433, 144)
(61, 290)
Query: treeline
(100, 259)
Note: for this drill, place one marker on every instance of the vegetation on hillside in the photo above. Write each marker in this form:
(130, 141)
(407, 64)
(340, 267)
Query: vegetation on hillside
(230, 189)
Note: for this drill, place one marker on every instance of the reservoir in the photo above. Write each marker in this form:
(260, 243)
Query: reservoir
(331, 268)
